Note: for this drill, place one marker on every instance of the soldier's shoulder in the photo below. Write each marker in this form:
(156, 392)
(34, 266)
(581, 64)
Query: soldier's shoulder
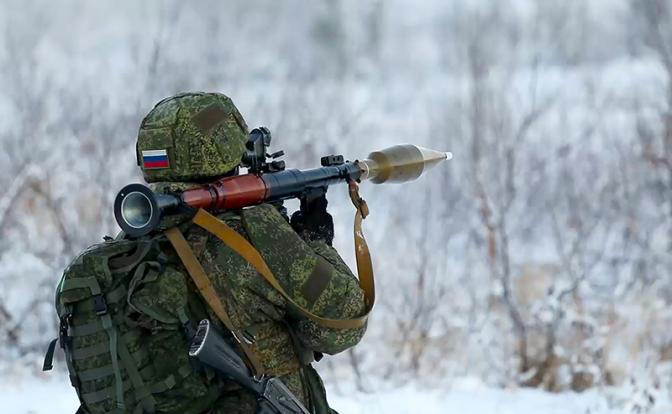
(252, 223)
(264, 216)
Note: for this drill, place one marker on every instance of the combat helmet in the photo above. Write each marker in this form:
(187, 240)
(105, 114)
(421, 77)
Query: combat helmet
(189, 137)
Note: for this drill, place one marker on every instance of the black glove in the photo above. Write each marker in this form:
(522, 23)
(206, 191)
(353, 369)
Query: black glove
(312, 222)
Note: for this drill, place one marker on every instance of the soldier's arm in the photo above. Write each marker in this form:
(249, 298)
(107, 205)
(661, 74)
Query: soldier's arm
(341, 298)
(313, 274)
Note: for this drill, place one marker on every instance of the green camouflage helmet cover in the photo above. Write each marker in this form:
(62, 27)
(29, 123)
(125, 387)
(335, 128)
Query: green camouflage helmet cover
(191, 136)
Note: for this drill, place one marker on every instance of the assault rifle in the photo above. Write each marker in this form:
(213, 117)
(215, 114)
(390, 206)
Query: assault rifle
(211, 349)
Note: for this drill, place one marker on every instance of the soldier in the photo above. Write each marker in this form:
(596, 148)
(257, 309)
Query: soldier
(204, 136)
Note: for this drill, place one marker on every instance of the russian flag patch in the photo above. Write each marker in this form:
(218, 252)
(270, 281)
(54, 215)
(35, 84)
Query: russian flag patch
(152, 159)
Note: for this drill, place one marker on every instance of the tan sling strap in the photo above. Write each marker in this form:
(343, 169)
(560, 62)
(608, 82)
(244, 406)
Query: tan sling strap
(246, 250)
(207, 290)
(362, 254)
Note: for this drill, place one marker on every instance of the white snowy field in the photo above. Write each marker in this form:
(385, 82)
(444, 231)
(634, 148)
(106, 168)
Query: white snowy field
(541, 255)
(55, 396)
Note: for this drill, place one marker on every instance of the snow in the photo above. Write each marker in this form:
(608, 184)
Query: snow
(482, 401)
(590, 205)
(55, 396)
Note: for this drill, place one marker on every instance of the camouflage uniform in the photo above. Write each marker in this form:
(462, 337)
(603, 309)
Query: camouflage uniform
(204, 135)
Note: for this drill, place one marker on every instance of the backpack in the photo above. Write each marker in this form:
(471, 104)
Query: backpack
(125, 312)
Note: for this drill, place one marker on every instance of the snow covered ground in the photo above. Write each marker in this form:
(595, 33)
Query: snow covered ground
(54, 396)
(556, 113)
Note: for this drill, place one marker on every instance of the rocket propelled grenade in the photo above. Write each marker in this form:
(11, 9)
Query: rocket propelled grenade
(138, 210)
(400, 163)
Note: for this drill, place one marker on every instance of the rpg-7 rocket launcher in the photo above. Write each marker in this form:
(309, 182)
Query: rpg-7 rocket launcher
(138, 210)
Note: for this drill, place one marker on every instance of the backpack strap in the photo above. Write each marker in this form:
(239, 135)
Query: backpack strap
(209, 294)
(247, 251)
(126, 263)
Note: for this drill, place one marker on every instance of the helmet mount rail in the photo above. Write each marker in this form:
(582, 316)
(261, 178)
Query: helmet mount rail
(256, 159)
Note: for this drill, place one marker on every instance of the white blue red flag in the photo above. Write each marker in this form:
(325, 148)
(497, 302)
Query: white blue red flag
(155, 159)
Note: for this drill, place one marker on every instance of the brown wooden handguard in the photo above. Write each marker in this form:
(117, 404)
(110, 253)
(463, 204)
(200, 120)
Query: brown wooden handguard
(228, 193)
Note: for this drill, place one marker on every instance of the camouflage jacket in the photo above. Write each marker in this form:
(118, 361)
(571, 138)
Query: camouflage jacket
(312, 273)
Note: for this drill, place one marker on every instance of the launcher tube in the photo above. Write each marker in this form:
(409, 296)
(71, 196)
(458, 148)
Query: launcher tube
(251, 189)
(138, 210)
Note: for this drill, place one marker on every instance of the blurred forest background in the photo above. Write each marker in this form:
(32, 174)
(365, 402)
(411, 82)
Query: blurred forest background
(540, 256)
